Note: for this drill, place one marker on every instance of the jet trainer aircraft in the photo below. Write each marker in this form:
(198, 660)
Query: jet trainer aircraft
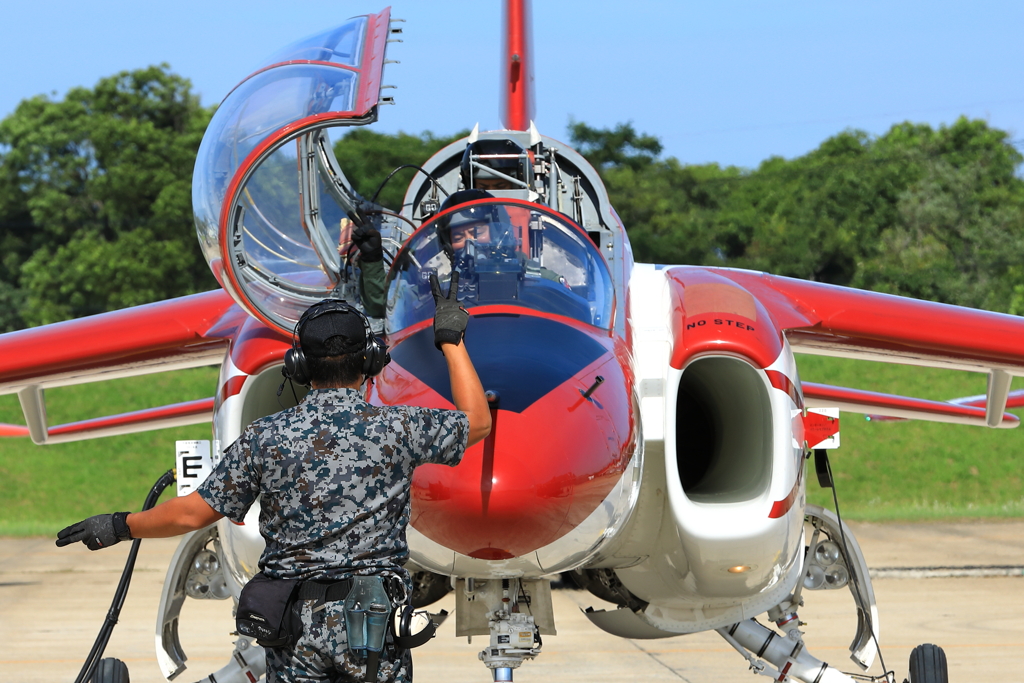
(650, 425)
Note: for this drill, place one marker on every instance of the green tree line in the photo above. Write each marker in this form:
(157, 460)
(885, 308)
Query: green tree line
(932, 214)
(95, 203)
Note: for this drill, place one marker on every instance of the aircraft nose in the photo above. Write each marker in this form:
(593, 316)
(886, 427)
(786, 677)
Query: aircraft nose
(552, 455)
(538, 475)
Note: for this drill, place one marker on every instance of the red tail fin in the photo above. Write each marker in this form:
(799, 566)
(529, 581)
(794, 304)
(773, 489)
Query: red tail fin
(517, 104)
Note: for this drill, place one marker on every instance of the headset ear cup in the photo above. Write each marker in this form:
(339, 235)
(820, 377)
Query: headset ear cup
(375, 357)
(295, 367)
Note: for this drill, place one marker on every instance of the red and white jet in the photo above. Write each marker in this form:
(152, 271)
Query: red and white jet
(650, 425)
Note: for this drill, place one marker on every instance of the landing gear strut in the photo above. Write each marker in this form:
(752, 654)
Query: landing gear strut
(512, 613)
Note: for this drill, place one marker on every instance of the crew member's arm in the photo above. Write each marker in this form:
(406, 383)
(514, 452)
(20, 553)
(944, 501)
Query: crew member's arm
(467, 392)
(371, 269)
(171, 518)
(450, 320)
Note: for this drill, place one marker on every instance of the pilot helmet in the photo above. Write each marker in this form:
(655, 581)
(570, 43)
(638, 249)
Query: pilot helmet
(501, 159)
(494, 214)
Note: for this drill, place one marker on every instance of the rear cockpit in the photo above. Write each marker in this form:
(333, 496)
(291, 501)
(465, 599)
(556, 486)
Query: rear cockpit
(521, 165)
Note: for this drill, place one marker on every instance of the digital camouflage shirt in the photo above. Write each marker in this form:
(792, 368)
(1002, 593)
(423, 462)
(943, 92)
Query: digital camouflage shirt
(333, 474)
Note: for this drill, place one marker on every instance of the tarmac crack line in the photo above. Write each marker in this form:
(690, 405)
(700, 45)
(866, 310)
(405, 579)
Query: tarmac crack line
(655, 658)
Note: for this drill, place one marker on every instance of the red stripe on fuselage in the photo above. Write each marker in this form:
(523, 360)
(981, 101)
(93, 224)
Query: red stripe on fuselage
(781, 507)
(783, 383)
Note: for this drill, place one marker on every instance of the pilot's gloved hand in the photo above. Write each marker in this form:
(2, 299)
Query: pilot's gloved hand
(450, 318)
(97, 532)
(367, 238)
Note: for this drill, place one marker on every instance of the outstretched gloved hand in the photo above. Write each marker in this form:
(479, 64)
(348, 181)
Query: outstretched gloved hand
(367, 238)
(450, 318)
(97, 532)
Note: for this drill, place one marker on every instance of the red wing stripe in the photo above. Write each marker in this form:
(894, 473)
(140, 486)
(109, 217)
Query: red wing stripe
(13, 430)
(144, 418)
(832, 317)
(873, 401)
(187, 327)
(1015, 399)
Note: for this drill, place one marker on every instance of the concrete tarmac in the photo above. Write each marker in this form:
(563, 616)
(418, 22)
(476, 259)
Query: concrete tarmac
(53, 602)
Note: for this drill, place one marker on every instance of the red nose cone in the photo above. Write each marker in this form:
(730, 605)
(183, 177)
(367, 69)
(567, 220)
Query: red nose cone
(539, 474)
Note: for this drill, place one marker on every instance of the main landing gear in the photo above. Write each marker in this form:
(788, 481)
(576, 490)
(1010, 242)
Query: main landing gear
(928, 665)
(110, 670)
(833, 561)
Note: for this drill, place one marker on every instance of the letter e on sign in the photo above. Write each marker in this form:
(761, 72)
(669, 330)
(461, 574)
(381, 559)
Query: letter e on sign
(194, 465)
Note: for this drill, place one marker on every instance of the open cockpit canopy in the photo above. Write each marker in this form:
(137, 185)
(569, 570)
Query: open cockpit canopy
(271, 204)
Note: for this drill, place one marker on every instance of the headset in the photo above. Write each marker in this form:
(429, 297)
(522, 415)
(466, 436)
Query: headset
(375, 351)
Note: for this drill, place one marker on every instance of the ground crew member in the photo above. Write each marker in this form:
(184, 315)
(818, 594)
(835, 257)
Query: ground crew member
(334, 477)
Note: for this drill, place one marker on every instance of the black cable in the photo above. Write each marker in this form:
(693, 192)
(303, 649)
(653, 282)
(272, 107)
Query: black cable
(853, 575)
(89, 667)
(391, 175)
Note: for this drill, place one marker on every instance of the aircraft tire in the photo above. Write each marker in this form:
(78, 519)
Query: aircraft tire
(110, 670)
(928, 664)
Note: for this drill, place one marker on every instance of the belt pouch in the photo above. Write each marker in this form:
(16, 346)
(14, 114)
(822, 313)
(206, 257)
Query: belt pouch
(265, 611)
(367, 608)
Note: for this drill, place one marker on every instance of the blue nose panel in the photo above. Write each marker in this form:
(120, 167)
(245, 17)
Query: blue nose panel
(522, 357)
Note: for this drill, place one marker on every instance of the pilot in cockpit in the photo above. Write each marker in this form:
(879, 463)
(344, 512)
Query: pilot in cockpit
(506, 253)
(482, 240)
(482, 224)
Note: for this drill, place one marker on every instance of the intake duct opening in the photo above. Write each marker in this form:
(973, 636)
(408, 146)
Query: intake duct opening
(723, 431)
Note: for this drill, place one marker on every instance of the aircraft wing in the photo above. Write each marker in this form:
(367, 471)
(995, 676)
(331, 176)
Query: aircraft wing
(837, 321)
(186, 332)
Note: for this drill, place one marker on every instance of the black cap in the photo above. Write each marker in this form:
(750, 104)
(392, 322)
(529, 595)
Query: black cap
(334, 333)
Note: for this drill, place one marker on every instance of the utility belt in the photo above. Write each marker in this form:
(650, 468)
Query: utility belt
(270, 611)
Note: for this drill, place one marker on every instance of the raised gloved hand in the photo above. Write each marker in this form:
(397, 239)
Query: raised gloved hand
(367, 238)
(450, 318)
(101, 531)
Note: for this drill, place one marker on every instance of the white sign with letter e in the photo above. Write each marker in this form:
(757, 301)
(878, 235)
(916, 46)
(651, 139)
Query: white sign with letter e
(194, 465)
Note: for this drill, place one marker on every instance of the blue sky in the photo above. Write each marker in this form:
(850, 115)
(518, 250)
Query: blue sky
(727, 82)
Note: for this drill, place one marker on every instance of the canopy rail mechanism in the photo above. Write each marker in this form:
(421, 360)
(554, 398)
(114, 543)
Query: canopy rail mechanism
(309, 201)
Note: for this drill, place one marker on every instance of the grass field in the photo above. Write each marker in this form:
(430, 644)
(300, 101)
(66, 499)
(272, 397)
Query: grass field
(917, 470)
(883, 471)
(44, 488)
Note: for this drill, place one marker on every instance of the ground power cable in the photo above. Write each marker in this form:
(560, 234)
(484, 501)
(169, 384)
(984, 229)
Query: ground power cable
(96, 654)
(887, 675)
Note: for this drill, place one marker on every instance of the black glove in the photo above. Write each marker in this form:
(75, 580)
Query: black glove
(101, 531)
(368, 240)
(450, 318)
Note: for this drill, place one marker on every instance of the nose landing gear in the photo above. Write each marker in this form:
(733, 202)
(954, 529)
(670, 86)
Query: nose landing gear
(514, 639)
(512, 612)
